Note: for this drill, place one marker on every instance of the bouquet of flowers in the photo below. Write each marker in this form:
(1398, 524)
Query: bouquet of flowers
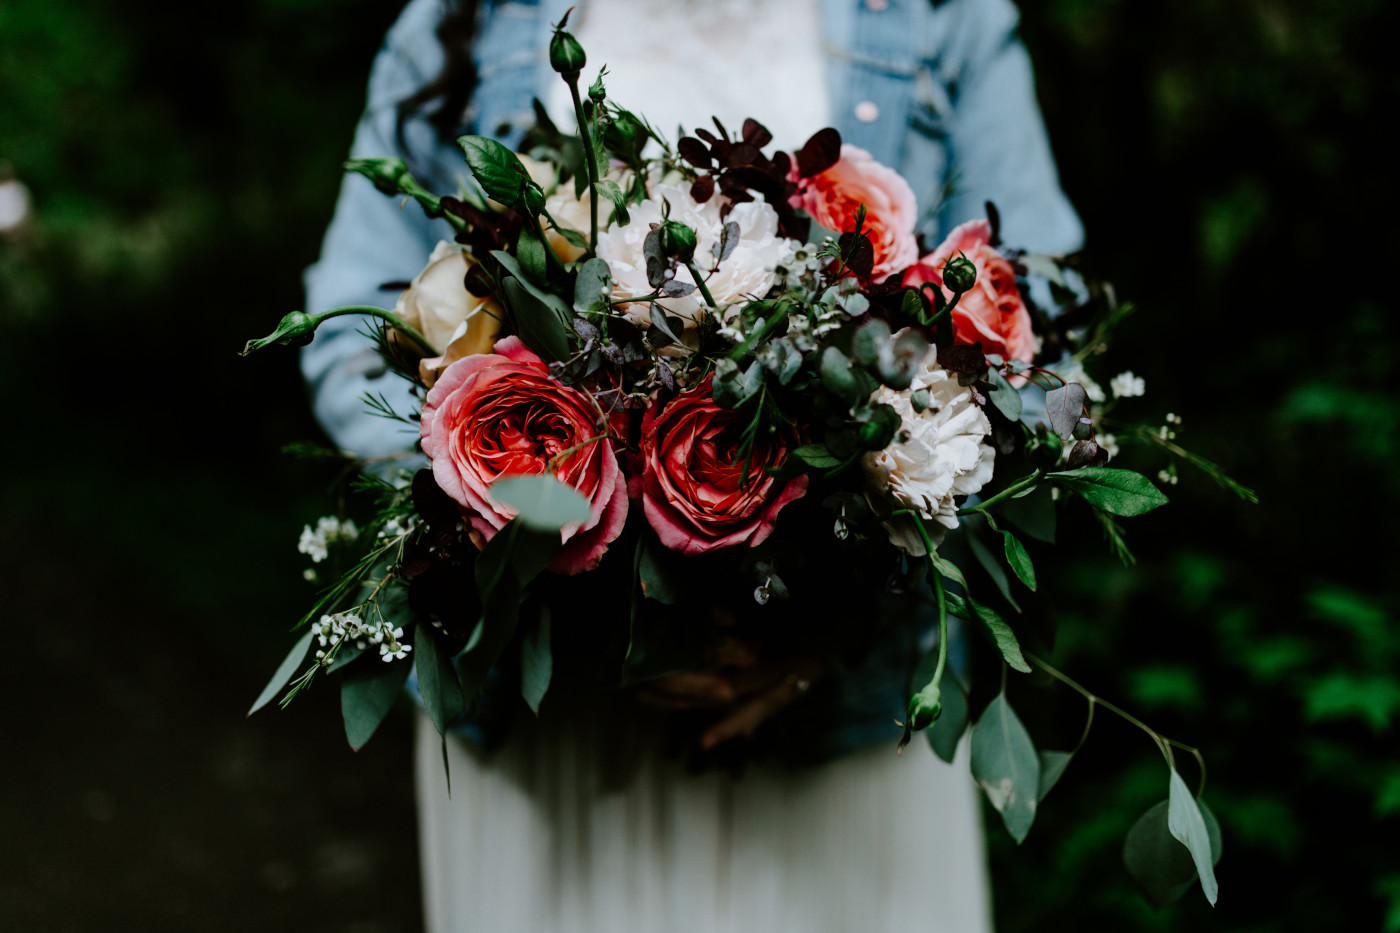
(664, 385)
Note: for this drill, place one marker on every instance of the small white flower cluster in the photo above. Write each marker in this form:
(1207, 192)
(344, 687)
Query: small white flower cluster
(1126, 385)
(801, 260)
(1168, 476)
(398, 526)
(1107, 443)
(1073, 371)
(329, 530)
(348, 626)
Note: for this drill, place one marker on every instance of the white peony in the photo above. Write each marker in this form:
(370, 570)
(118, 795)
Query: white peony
(745, 275)
(943, 456)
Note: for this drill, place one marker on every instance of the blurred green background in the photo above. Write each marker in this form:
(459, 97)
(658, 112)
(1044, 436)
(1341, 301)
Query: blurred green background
(1229, 162)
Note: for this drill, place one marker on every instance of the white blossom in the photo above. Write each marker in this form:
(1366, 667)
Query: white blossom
(329, 530)
(1126, 385)
(1073, 371)
(939, 453)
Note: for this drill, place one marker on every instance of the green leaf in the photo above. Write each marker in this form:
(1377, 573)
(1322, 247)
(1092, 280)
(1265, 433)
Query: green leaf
(655, 577)
(1004, 763)
(1034, 514)
(437, 680)
(593, 286)
(992, 566)
(500, 614)
(1001, 634)
(496, 168)
(817, 456)
(542, 502)
(1003, 396)
(536, 662)
(609, 189)
(532, 256)
(943, 736)
(1188, 827)
(284, 672)
(526, 552)
(367, 693)
(1052, 765)
(556, 306)
(536, 324)
(1160, 865)
(1118, 492)
(1019, 560)
(837, 375)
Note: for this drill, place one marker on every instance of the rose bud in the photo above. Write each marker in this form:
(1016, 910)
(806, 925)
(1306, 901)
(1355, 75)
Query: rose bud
(295, 330)
(566, 55)
(387, 174)
(678, 240)
(960, 274)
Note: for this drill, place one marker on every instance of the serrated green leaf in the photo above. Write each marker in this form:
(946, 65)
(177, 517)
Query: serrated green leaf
(1018, 559)
(437, 681)
(816, 456)
(542, 503)
(1161, 866)
(367, 693)
(1052, 765)
(284, 672)
(536, 661)
(1118, 492)
(1003, 396)
(1005, 764)
(495, 167)
(1188, 827)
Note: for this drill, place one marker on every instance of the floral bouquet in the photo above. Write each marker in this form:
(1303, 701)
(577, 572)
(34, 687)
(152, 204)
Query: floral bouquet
(662, 395)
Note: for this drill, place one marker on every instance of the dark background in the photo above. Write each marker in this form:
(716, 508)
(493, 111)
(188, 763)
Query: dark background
(1228, 161)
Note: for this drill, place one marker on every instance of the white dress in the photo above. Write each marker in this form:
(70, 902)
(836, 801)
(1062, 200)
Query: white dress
(580, 824)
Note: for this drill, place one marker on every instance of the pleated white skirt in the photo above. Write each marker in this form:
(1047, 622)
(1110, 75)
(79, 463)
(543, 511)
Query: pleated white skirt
(548, 837)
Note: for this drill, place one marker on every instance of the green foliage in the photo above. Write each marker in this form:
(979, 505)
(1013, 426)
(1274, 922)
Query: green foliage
(1005, 764)
(368, 691)
(1117, 492)
(542, 503)
(284, 673)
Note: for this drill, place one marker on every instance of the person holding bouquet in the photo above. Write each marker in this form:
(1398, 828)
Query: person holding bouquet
(581, 820)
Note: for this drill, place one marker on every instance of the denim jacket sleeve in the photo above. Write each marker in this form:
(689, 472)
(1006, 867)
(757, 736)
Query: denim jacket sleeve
(941, 90)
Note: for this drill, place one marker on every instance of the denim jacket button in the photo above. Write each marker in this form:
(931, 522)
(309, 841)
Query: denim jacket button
(867, 111)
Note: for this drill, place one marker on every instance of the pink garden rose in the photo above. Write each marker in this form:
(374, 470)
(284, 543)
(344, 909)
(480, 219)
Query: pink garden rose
(691, 489)
(502, 414)
(992, 311)
(833, 196)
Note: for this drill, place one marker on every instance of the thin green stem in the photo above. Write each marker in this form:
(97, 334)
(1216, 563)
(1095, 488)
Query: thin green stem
(589, 155)
(758, 336)
(397, 322)
(940, 596)
(1022, 484)
(700, 284)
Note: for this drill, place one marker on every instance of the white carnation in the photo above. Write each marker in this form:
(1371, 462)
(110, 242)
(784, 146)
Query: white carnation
(942, 456)
(746, 274)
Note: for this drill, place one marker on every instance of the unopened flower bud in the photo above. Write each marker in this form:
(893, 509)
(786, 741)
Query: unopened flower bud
(678, 240)
(924, 708)
(295, 330)
(959, 274)
(566, 55)
(532, 198)
(596, 91)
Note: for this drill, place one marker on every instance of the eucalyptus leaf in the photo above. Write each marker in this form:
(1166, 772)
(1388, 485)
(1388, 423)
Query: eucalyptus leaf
(1159, 864)
(660, 321)
(1003, 396)
(495, 167)
(1052, 765)
(816, 456)
(1117, 492)
(437, 681)
(536, 661)
(947, 730)
(1005, 764)
(284, 672)
(1188, 827)
(1063, 408)
(345, 655)
(542, 503)
(1018, 559)
(367, 693)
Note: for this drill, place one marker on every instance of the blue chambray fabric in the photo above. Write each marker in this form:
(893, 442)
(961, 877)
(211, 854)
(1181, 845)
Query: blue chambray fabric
(942, 91)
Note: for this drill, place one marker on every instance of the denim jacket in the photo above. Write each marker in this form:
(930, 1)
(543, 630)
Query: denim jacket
(941, 91)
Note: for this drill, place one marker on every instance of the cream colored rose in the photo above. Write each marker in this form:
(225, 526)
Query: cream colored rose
(456, 322)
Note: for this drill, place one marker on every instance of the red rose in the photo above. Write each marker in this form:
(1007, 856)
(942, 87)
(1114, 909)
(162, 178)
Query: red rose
(992, 310)
(833, 196)
(691, 488)
(502, 414)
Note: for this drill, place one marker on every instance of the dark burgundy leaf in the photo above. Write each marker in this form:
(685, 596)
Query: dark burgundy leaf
(707, 136)
(742, 155)
(613, 354)
(782, 165)
(703, 189)
(819, 153)
(694, 151)
(1083, 429)
(858, 252)
(756, 134)
(1083, 453)
(1063, 408)
(724, 133)
(585, 330)
(478, 281)
(963, 358)
(994, 218)
(664, 376)
(657, 266)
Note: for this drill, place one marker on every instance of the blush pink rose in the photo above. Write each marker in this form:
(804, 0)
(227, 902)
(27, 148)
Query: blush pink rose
(691, 476)
(833, 196)
(502, 414)
(992, 311)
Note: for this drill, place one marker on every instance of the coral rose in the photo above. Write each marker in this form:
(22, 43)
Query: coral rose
(833, 196)
(502, 414)
(691, 481)
(454, 320)
(992, 311)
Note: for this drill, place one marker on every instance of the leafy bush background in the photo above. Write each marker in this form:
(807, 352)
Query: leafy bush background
(1230, 165)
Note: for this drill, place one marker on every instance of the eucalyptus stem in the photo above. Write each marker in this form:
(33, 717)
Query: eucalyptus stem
(589, 157)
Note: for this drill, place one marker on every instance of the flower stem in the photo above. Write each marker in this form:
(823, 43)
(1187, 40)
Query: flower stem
(700, 284)
(589, 157)
(393, 319)
(1022, 484)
